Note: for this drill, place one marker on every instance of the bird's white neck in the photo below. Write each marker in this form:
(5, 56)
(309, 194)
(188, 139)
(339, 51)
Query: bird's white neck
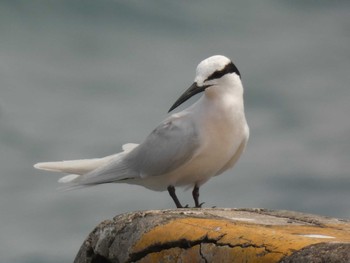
(229, 87)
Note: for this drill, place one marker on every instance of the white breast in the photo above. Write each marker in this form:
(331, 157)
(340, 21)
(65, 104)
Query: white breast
(223, 132)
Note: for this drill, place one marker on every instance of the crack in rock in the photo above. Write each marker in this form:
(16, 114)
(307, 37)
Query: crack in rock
(181, 243)
(201, 253)
(187, 244)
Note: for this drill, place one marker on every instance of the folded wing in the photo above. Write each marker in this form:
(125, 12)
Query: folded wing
(170, 145)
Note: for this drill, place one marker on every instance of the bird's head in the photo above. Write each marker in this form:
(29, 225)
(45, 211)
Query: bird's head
(209, 72)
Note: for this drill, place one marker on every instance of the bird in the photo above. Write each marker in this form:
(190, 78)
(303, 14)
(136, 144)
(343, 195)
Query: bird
(186, 149)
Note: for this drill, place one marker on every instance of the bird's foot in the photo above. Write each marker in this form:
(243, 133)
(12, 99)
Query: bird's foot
(199, 205)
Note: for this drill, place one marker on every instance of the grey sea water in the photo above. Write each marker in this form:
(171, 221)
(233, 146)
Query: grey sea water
(80, 78)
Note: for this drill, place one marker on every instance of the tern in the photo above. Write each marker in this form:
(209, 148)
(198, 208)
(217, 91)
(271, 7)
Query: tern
(186, 149)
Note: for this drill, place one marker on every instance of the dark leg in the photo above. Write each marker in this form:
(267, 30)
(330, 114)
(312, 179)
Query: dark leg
(171, 190)
(195, 194)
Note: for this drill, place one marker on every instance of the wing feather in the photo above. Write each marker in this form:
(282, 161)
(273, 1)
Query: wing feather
(169, 146)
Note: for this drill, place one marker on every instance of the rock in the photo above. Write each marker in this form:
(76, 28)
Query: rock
(217, 235)
(322, 252)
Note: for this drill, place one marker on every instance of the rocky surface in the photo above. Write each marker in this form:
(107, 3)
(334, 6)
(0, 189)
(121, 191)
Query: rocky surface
(217, 235)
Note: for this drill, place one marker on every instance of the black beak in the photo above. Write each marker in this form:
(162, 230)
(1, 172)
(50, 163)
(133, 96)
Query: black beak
(191, 91)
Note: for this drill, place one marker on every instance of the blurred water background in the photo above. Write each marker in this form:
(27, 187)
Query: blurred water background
(80, 78)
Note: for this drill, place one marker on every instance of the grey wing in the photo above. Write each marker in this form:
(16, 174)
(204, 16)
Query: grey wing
(169, 146)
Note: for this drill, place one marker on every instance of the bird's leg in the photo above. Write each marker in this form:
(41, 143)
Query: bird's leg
(195, 194)
(171, 190)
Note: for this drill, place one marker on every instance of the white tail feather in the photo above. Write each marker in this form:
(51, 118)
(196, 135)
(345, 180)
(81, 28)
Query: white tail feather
(68, 178)
(79, 167)
(75, 166)
(129, 146)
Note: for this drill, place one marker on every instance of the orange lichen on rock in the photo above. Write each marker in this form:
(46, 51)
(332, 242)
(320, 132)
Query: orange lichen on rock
(218, 235)
(232, 240)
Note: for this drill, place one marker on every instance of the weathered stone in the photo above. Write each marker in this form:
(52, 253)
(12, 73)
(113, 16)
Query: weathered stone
(320, 253)
(214, 235)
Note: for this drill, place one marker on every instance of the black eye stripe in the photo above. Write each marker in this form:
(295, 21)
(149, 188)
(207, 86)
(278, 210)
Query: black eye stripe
(229, 68)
